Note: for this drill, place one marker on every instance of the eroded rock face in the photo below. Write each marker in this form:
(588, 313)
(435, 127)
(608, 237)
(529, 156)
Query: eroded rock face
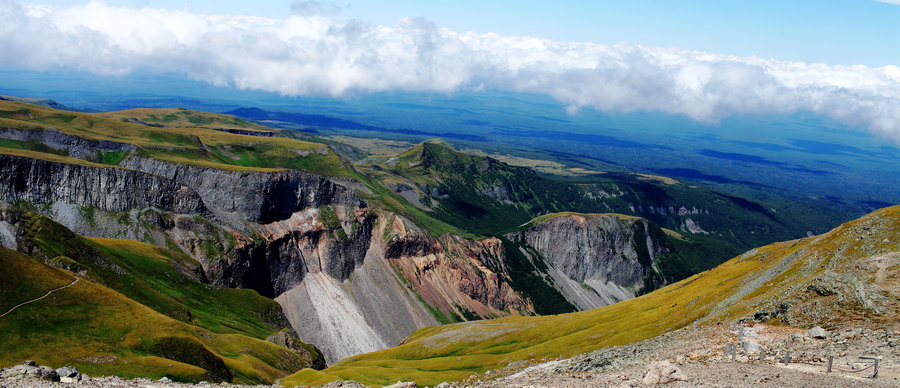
(606, 248)
(456, 275)
(260, 197)
(107, 188)
(285, 251)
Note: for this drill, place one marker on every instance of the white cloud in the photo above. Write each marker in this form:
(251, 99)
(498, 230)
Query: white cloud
(310, 54)
(897, 2)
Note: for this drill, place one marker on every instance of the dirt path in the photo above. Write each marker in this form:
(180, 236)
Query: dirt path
(35, 300)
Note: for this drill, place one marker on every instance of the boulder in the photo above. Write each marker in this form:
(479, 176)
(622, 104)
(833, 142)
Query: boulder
(68, 371)
(47, 373)
(27, 368)
(663, 372)
(818, 332)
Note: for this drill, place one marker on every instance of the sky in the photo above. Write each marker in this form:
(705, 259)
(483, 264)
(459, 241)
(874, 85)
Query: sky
(703, 59)
(846, 32)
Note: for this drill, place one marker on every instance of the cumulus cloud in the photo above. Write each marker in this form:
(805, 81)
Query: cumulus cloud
(311, 54)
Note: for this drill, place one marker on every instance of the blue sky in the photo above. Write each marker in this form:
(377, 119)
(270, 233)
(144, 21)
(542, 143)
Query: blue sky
(845, 32)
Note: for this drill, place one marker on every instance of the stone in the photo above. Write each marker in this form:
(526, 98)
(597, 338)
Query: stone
(29, 363)
(27, 368)
(164, 380)
(47, 373)
(663, 372)
(751, 347)
(67, 371)
(443, 385)
(403, 384)
(818, 332)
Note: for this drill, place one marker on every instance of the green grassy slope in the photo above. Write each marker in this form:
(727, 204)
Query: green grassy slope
(102, 332)
(159, 278)
(182, 142)
(738, 288)
(186, 118)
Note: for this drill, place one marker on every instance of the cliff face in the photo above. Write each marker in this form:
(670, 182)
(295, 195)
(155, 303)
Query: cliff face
(260, 197)
(458, 276)
(611, 254)
(107, 188)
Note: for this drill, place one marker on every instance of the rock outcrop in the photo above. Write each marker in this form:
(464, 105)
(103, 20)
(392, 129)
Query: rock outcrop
(107, 188)
(255, 196)
(609, 253)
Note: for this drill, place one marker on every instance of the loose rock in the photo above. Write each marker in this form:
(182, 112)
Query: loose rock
(663, 372)
(818, 332)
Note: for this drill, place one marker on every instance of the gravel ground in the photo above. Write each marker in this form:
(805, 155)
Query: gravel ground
(698, 354)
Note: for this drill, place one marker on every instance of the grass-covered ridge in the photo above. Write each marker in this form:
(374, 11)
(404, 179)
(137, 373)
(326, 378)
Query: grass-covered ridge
(186, 118)
(181, 136)
(159, 278)
(102, 332)
(738, 288)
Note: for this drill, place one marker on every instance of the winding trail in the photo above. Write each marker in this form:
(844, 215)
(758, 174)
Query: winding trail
(35, 300)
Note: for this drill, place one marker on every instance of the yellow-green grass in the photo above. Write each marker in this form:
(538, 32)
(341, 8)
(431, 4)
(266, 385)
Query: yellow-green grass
(179, 117)
(153, 276)
(102, 332)
(550, 216)
(188, 145)
(48, 157)
(732, 290)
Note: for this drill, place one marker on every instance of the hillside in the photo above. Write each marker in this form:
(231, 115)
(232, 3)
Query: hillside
(178, 136)
(845, 277)
(101, 331)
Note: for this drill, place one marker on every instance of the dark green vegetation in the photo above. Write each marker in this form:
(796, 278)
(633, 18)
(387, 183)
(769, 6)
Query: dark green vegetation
(483, 196)
(145, 308)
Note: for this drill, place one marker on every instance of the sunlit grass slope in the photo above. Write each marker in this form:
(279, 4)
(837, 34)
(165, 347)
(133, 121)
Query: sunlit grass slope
(179, 117)
(206, 143)
(102, 332)
(159, 278)
(735, 289)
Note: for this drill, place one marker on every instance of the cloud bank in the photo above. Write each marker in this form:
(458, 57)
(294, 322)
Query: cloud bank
(311, 54)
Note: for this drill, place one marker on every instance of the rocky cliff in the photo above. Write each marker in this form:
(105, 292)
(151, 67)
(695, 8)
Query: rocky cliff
(607, 255)
(108, 188)
(255, 196)
(350, 278)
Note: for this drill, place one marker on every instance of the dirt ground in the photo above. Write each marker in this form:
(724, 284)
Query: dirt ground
(698, 353)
